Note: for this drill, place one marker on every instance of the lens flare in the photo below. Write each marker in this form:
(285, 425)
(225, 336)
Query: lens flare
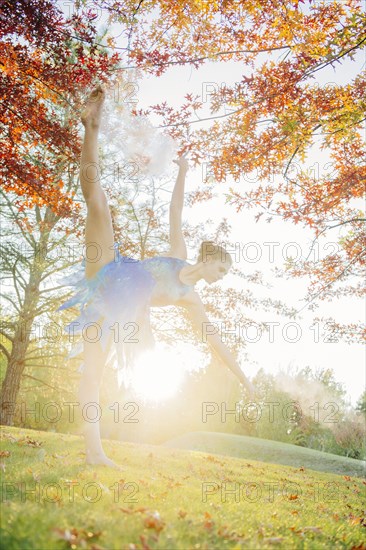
(158, 374)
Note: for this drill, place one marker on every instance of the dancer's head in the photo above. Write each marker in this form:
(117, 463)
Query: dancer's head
(215, 261)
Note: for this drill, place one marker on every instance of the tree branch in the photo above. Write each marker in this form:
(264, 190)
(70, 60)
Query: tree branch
(332, 281)
(48, 385)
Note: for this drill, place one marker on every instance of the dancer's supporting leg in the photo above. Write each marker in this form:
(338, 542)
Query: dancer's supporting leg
(99, 251)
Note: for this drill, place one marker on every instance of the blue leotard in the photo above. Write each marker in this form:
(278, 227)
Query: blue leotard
(117, 302)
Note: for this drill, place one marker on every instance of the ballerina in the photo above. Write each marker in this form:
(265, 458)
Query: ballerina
(118, 288)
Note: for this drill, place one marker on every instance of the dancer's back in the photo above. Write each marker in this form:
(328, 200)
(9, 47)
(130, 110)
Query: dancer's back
(169, 289)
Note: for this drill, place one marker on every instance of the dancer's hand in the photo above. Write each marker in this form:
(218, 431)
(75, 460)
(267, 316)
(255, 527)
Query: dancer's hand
(182, 162)
(91, 114)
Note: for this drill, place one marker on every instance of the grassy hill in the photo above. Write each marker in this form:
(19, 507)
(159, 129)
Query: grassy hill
(245, 447)
(168, 499)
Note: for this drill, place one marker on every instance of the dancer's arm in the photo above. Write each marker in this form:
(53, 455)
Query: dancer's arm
(178, 247)
(197, 314)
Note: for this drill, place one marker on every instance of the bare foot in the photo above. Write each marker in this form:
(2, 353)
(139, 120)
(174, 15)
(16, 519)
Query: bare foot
(101, 458)
(92, 111)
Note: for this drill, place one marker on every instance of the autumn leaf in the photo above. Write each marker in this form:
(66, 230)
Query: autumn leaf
(133, 510)
(154, 521)
(4, 454)
(30, 442)
(208, 524)
(356, 520)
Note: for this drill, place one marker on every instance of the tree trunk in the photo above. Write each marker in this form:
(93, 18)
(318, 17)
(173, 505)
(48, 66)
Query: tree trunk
(11, 383)
(14, 371)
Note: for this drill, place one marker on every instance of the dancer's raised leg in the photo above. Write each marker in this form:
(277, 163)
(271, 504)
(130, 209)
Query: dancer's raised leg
(99, 239)
(99, 251)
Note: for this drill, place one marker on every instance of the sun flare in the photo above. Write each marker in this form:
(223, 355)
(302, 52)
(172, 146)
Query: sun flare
(159, 373)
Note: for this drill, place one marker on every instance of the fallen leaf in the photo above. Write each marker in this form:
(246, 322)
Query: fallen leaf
(356, 520)
(208, 523)
(30, 442)
(154, 521)
(312, 529)
(133, 510)
(4, 454)
(172, 484)
(127, 510)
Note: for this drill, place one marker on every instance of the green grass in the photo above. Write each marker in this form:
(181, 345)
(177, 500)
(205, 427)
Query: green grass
(242, 446)
(160, 503)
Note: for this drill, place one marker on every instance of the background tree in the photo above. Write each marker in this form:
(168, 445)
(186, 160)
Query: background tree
(361, 403)
(34, 252)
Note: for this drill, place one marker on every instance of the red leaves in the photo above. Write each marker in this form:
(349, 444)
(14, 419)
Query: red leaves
(154, 521)
(208, 523)
(38, 66)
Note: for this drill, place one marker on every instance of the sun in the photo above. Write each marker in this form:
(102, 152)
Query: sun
(159, 373)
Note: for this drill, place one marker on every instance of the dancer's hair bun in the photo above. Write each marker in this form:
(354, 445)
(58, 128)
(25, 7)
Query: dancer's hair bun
(211, 249)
